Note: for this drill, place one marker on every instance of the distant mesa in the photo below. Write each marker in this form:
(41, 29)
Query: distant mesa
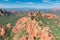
(55, 9)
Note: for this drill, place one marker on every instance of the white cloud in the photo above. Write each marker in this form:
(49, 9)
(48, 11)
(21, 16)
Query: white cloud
(46, 0)
(57, 4)
(6, 0)
(29, 3)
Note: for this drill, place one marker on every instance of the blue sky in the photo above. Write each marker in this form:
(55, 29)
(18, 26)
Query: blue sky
(30, 3)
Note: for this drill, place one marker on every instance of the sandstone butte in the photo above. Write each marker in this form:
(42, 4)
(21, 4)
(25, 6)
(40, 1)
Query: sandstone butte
(34, 32)
(49, 16)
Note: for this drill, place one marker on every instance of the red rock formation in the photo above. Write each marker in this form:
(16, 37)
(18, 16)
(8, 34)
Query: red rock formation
(19, 24)
(49, 16)
(2, 31)
(31, 28)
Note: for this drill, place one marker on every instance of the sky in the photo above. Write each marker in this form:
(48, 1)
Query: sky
(30, 3)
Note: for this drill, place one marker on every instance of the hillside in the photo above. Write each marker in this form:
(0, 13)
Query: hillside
(34, 26)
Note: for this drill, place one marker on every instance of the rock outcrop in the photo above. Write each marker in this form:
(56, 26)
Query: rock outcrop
(32, 28)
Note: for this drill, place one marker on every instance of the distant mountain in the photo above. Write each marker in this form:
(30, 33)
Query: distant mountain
(51, 10)
(25, 10)
(4, 12)
(55, 10)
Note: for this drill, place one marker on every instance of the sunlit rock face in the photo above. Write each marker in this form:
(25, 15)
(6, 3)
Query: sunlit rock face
(50, 16)
(2, 31)
(28, 29)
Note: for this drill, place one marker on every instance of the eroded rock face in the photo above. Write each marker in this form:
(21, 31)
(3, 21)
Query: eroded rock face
(2, 31)
(31, 27)
(46, 34)
(20, 24)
